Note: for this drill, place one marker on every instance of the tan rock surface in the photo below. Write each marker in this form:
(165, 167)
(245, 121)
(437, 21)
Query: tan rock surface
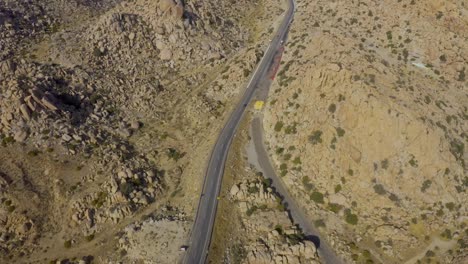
(369, 107)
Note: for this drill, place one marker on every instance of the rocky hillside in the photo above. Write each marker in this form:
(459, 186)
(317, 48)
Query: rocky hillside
(367, 125)
(104, 108)
(269, 234)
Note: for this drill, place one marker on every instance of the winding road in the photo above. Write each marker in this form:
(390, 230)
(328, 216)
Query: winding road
(203, 226)
(297, 214)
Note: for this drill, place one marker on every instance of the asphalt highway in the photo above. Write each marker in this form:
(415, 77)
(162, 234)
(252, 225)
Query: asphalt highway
(201, 234)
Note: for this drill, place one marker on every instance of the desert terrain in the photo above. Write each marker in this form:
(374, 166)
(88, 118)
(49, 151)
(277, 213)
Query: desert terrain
(366, 124)
(109, 111)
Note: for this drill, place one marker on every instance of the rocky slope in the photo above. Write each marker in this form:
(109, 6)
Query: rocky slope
(104, 108)
(367, 124)
(270, 237)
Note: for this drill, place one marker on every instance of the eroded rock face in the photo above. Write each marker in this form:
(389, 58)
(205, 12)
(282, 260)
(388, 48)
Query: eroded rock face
(87, 92)
(260, 211)
(372, 139)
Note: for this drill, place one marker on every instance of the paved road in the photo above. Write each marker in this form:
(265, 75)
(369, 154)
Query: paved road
(203, 226)
(326, 253)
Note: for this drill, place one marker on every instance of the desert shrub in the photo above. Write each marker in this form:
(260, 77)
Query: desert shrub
(413, 162)
(379, 189)
(317, 197)
(278, 126)
(11, 208)
(279, 151)
(393, 198)
(426, 184)
(97, 52)
(351, 219)
(297, 161)
(332, 108)
(267, 182)
(340, 131)
(7, 140)
(447, 234)
(450, 206)
(462, 75)
(384, 164)
(34, 153)
(89, 237)
(174, 154)
(315, 138)
(291, 129)
(307, 184)
(338, 188)
(389, 35)
(334, 207)
(67, 244)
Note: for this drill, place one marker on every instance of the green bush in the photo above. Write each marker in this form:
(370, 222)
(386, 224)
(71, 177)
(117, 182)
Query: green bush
(351, 219)
(334, 207)
(267, 182)
(291, 129)
(450, 206)
(316, 137)
(379, 189)
(306, 182)
(426, 184)
(338, 188)
(279, 151)
(297, 161)
(332, 108)
(7, 140)
(67, 244)
(11, 208)
(89, 237)
(384, 164)
(34, 153)
(174, 154)
(317, 197)
(340, 131)
(278, 126)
